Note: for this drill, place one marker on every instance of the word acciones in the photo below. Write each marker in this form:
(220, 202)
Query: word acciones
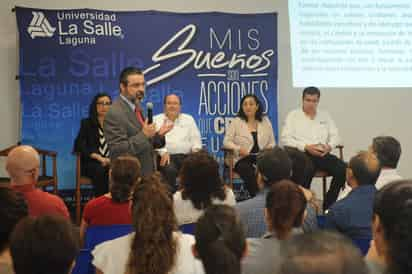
(201, 59)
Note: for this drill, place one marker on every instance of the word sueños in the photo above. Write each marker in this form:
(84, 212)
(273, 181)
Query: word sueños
(201, 59)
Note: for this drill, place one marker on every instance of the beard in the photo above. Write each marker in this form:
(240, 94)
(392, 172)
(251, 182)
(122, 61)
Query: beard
(140, 95)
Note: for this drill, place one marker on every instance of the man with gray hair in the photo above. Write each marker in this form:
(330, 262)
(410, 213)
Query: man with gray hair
(23, 165)
(388, 151)
(322, 252)
(352, 215)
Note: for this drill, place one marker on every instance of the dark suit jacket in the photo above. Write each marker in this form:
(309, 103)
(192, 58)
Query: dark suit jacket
(352, 216)
(87, 142)
(124, 135)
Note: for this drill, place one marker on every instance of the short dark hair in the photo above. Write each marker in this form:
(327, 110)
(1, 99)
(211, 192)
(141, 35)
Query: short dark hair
(178, 96)
(259, 113)
(123, 79)
(393, 205)
(274, 165)
(322, 252)
(286, 205)
(311, 91)
(200, 179)
(13, 208)
(93, 107)
(388, 150)
(365, 168)
(220, 240)
(45, 244)
(125, 173)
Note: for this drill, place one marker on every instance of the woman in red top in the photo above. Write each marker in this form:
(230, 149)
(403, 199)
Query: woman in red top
(113, 207)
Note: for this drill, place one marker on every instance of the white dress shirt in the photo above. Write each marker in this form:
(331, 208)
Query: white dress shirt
(386, 176)
(183, 138)
(112, 257)
(300, 130)
(186, 213)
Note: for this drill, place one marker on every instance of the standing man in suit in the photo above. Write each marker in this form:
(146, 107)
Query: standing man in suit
(126, 130)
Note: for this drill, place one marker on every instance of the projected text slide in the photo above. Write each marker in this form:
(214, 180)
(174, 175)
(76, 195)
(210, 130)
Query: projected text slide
(351, 43)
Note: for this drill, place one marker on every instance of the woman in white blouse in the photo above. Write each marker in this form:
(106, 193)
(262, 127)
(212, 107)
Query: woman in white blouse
(155, 246)
(250, 132)
(201, 187)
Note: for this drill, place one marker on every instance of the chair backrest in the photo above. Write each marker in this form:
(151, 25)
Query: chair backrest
(80, 180)
(188, 228)
(45, 178)
(101, 233)
(84, 263)
(363, 244)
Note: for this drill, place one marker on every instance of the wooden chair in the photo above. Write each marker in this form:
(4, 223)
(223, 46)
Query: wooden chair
(229, 165)
(80, 181)
(45, 180)
(230, 176)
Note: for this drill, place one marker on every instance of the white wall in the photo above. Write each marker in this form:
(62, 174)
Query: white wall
(360, 114)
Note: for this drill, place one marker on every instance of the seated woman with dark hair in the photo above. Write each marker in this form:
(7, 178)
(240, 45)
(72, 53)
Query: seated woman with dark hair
(202, 186)
(284, 211)
(248, 134)
(113, 207)
(155, 246)
(220, 240)
(91, 144)
(13, 208)
(391, 227)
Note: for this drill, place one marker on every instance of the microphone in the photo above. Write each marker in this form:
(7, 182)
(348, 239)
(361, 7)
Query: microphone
(149, 109)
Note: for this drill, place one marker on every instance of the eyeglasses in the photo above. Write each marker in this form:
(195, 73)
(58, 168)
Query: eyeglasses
(104, 103)
(136, 85)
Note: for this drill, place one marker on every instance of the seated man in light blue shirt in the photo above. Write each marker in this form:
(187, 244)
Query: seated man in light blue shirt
(183, 139)
(352, 215)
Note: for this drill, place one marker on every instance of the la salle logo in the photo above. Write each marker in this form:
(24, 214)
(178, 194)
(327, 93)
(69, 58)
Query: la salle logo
(40, 26)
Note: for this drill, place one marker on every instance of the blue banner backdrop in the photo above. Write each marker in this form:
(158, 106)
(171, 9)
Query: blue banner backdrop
(210, 59)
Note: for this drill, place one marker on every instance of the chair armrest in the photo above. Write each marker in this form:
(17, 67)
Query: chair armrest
(6, 151)
(50, 153)
(340, 147)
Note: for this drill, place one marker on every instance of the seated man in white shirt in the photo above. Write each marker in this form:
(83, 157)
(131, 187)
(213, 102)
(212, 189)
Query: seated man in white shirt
(313, 132)
(184, 138)
(388, 151)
